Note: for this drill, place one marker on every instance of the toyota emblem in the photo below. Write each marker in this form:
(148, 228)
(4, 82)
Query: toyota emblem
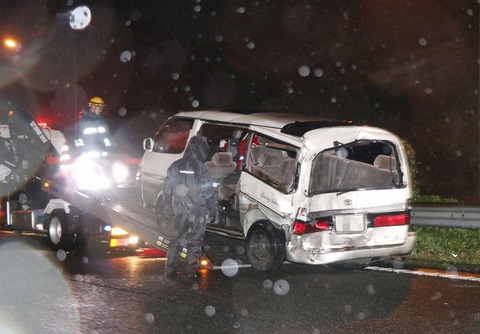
(348, 202)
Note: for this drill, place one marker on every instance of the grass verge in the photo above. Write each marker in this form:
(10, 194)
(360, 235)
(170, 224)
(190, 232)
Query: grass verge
(446, 247)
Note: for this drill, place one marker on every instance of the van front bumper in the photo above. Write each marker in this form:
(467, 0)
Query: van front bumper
(297, 254)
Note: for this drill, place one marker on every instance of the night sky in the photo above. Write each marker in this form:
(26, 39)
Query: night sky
(408, 66)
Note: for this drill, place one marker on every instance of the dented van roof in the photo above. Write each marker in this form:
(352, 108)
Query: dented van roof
(290, 124)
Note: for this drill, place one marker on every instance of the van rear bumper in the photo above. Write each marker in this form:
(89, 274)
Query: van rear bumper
(318, 256)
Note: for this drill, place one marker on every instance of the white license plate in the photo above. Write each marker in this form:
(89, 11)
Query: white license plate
(350, 223)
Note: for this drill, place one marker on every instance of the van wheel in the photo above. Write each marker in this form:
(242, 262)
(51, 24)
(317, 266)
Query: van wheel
(61, 233)
(265, 247)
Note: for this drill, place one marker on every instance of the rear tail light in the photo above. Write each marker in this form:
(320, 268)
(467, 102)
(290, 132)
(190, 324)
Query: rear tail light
(303, 226)
(391, 220)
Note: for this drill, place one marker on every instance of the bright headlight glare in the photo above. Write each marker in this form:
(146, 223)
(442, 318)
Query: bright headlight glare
(119, 172)
(118, 231)
(89, 175)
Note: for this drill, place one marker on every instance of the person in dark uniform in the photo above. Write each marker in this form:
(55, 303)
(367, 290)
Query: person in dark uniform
(189, 191)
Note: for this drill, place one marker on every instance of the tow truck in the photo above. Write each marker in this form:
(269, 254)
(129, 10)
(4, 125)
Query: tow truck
(34, 165)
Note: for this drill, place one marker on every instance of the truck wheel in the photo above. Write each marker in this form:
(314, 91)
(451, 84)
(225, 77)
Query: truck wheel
(61, 234)
(265, 247)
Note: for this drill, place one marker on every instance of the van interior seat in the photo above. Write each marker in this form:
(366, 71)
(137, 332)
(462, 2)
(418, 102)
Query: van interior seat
(384, 162)
(221, 165)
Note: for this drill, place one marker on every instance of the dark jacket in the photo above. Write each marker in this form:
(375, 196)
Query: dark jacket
(93, 133)
(188, 186)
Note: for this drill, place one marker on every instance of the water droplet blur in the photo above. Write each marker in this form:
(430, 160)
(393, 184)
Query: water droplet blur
(181, 190)
(240, 250)
(229, 267)
(452, 270)
(304, 71)
(267, 284)
(241, 10)
(243, 312)
(210, 311)
(80, 18)
(422, 41)
(85, 260)
(125, 56)
(122, 111)
(135, 16)
(318, 72)
(370, 290)
(250, 45)
(61, 255)
(348, 308)
(281, 287)
(195, 103)
(149, 318)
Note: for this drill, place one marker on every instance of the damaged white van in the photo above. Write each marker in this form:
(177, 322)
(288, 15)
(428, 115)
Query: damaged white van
(295, 188)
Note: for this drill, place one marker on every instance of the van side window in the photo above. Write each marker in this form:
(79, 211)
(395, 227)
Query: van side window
(172, 137)
(273, 162)
(223, 138)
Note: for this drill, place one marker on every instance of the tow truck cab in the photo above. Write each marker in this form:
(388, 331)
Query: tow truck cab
(302, 189)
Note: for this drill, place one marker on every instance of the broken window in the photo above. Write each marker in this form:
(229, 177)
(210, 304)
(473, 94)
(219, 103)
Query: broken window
(360, 165)
(273, 162)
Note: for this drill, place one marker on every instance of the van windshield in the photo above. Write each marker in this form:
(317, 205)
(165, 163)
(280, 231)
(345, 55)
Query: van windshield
(359, 165)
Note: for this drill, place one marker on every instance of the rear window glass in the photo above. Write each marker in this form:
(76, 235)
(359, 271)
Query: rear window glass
(356, 166)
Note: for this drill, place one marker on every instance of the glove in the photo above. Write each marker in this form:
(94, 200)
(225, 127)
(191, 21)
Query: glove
(212, 216)
(166, 210)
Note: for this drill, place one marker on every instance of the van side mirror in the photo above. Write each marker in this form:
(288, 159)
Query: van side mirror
(148, 144)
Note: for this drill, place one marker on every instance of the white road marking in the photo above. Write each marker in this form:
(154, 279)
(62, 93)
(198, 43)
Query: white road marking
(429, 272)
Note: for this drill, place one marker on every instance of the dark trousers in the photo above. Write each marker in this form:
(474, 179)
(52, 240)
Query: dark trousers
(190, 234)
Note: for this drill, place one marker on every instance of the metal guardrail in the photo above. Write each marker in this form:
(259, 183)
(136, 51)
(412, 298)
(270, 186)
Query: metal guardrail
(447, 216)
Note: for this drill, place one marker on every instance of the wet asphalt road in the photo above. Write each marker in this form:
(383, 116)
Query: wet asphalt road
(41, 292)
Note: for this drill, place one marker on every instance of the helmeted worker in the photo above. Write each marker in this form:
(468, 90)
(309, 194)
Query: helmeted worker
(189, 191)
(92, 132)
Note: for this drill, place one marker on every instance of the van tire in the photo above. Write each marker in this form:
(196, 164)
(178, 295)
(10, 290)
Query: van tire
(61, 232)
(265, 246)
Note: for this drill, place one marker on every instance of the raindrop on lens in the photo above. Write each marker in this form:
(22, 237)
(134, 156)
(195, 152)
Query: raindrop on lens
(422, 41)
(125, 56)
(85, 260)
(267, 284)
(281, 287)
(61, 255)
(304, 71)
(149, 318)
(318, 72)
(452, 270)
(240, 250)
(122, 111)
(229, 267)
(370, 290)
(348, 308)
(210, 311)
